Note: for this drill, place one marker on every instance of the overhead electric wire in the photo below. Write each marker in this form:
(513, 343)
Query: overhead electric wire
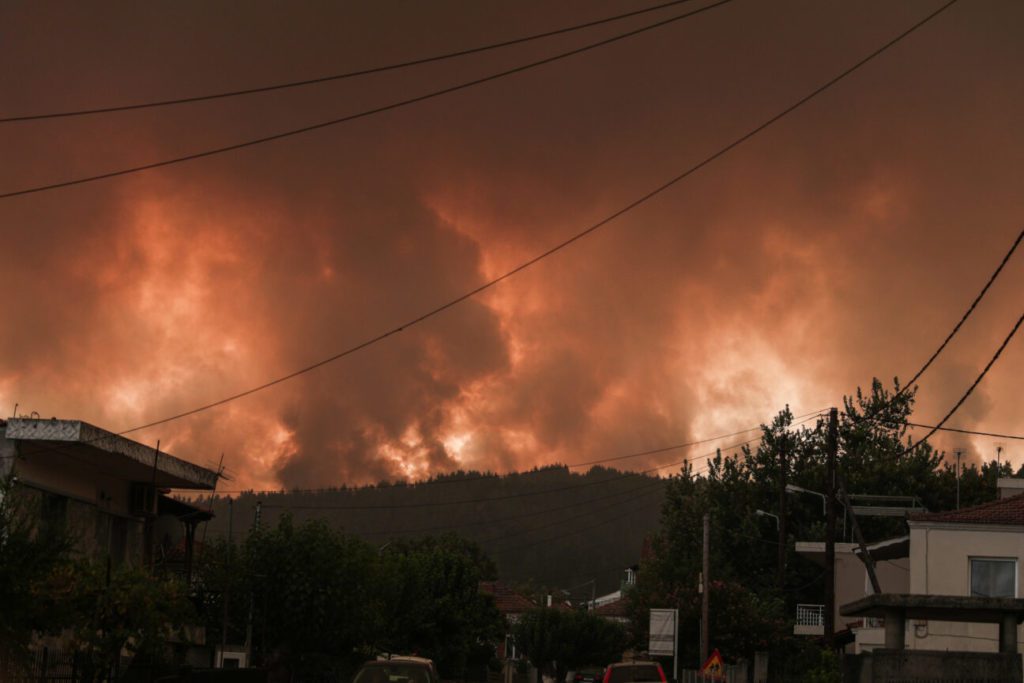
(566, 520)
(942, 347)
(971, 432)
(966, 315)
(108, 109)
(510, 518)
(970, 389)
(453, 480)
(520, 494)
(363, 114)
(563, 244)
(574, 532)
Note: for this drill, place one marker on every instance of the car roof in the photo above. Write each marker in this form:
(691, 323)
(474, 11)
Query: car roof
(406, 659)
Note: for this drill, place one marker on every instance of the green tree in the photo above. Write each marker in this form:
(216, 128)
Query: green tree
(431, 603)
(33, 564)
(124, 609)
(314, 595)
(556, 641)
(874, 458)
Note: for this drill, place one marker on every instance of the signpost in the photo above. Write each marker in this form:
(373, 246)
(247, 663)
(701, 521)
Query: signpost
(664, 634)
(714, 668)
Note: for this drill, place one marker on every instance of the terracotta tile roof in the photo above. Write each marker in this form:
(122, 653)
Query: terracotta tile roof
(613, 609)
(1004, 511)
(507, 600)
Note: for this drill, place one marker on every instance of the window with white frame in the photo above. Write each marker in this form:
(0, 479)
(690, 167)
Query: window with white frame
(993, 577)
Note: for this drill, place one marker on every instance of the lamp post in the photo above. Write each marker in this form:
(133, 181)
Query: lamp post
(762, 513)
(793, 488)
(958, 454)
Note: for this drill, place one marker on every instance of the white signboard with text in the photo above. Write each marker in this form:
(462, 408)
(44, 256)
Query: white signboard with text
(663, 632)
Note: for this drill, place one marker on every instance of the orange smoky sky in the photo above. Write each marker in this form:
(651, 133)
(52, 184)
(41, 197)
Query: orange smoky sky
(841, 244)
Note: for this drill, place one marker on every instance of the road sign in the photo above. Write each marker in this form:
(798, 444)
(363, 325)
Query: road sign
(663, 632)
(714, 667)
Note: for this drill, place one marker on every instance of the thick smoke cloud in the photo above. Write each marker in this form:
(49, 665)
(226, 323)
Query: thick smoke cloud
(839, 245)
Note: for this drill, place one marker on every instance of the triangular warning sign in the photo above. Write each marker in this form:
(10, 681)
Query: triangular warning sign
(714, 667)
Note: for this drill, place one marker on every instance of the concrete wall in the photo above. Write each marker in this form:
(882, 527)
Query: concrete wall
(940, 565)
(72, 477)
(852, 582)
(98, 503)
(892, 666)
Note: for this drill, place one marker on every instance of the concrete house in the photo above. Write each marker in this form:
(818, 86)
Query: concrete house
(108, 490)
(973, 552)
(976, 551)
(851, 580)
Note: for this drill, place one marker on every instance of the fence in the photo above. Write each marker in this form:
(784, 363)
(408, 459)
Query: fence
(45, 665)
(734, 673)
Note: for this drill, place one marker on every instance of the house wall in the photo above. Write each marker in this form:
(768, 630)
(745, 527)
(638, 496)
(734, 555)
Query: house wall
(852, 582)
(65, 475)
(940, 565)
(97, 504)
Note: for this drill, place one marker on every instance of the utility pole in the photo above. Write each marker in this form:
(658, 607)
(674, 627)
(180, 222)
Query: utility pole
(831, 448)
(252, 597)
(865, 556)
(958, 454)
(226, 597)
(782, 512)
(705, 590)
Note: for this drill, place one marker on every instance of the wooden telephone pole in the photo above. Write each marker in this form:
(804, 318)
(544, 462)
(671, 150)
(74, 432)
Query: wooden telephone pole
(705, 590)
(831, 448)
(782, 512)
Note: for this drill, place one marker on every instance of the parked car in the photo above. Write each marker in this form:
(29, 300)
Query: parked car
(634, 672)
(587, 674)
(398, 669)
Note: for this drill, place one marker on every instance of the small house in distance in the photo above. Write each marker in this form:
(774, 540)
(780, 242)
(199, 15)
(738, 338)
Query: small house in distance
(108, 490)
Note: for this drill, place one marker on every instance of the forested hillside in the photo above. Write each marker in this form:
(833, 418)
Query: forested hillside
(549, 526)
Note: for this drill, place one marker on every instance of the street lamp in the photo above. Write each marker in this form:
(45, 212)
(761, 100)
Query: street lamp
(793, 488)
(762, 513)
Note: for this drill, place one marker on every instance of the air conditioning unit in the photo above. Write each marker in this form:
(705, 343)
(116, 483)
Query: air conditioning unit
(142, 502)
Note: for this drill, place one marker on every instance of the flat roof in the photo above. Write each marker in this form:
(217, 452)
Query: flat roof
(889, 549)
(936, 607)
(132, 460)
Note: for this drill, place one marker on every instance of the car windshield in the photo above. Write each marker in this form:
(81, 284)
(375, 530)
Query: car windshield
(393, 673)
(634, 672)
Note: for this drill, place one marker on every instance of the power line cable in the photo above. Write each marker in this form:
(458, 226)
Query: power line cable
(970, 389)
(520, 494)
(972, 432)
(872, 415)
(574, 532)
(340, 76)
(510, 518)
(967, 313)
(565, 520)
(460, 480)
(363, 114)
(563, 244)
(644, 487)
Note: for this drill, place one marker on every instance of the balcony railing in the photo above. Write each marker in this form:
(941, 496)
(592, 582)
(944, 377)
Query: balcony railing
(810, 620)
(810, 615)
